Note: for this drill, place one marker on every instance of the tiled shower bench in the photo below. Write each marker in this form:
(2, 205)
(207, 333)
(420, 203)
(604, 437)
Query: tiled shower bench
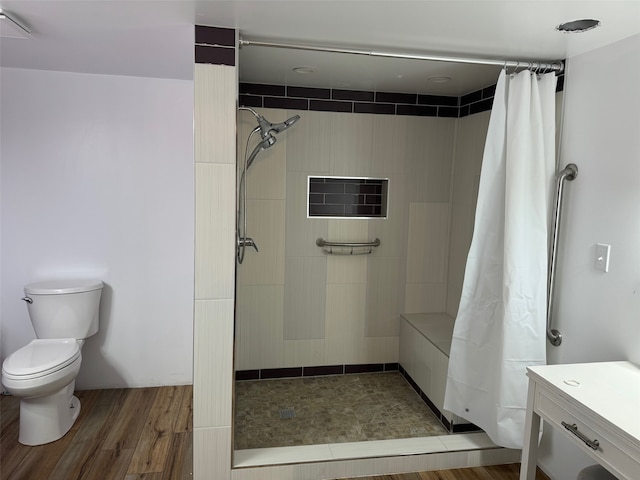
(425, 343)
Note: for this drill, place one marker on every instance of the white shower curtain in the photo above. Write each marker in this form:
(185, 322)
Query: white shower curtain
(500, 328)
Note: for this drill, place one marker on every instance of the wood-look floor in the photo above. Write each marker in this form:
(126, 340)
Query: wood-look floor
(132, 434)
(495, 472)
(142, 433)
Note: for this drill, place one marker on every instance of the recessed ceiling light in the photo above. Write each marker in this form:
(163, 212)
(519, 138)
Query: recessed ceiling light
(578, 26)
(305, 70)
(439, 79)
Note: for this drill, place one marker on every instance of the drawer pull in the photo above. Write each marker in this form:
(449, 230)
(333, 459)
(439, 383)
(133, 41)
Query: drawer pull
(573, 428)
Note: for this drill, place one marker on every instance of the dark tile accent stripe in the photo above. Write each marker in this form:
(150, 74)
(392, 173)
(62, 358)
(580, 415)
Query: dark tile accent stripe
(489, 92)
(380, 108)
(471, 97)
(390, 97)
(330, 106)
(315, 371)
(364, 368)
(288, 103)
(216, 55)
(446, 423)
(384, 103)
(215, 36)
(449, 112)
(482, 100)
(464, 427)
(355, 95)
(323, 370)
(417, 110)
(281, 372)
(304, 92)
(431, 405)
(347, 101)
(215, 45)
(247, 374)
(251, 100)
(262, 89)
(454, 428)
(481, 106)
(438, 100)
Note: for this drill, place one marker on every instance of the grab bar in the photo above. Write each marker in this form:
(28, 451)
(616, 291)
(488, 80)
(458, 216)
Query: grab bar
(321, 242)
(570, 172)
(329, 246)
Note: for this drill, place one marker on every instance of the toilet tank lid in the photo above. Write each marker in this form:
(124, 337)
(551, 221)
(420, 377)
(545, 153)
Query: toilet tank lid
(59, 287)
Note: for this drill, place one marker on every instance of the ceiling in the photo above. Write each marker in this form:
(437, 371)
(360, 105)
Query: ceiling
(149, 38)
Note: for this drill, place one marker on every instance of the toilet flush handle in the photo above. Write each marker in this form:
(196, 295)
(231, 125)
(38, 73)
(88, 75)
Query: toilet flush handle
(27, 299)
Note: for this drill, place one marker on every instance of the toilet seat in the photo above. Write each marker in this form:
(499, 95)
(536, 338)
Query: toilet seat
(40, 357)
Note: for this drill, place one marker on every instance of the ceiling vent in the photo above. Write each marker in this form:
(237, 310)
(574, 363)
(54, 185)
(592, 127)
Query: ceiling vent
(578, 26)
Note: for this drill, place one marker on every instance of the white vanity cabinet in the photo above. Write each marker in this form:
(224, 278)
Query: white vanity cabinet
(596, 405)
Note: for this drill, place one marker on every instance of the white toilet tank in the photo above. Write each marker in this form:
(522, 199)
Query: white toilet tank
(64, 308)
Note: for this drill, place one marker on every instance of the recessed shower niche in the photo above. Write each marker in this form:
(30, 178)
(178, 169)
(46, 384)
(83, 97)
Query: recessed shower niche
(347, 197)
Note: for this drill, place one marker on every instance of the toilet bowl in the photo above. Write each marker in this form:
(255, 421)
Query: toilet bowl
(42, 374)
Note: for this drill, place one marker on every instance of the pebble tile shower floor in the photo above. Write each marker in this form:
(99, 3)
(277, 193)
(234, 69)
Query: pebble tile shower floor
(332, 409)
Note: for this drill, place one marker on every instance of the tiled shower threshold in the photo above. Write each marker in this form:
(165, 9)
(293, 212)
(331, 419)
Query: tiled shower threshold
(460, 442)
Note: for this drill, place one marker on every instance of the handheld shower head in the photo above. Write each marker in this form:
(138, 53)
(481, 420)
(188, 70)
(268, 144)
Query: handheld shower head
(262, 145)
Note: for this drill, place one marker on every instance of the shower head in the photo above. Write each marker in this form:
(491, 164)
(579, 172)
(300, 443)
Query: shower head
(266, 127)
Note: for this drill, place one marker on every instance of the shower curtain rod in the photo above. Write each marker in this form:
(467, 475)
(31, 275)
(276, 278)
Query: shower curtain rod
(554, 66)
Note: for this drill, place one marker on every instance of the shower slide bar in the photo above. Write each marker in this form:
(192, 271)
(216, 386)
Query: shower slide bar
(348, 248)
(538, 66)
(570, 172)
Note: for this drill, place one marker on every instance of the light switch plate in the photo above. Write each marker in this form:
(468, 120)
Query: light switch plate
(602, 257)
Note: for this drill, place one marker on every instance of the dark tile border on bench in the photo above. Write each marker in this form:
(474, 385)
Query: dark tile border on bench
(451, 428)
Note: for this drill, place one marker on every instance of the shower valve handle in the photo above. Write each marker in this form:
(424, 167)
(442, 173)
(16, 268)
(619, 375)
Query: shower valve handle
(248, 242)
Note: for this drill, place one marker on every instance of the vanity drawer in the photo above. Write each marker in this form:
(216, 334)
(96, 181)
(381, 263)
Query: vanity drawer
(607, 447)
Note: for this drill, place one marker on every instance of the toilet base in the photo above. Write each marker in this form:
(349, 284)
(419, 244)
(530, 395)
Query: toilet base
(46, 419)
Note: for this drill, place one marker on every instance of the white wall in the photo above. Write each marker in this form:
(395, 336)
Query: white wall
(97, 180)
(598, 313)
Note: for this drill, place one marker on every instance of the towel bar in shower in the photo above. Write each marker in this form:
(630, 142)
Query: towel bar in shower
(348, 248)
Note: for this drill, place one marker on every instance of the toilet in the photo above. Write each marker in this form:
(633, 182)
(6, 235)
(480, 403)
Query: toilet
(43, 373)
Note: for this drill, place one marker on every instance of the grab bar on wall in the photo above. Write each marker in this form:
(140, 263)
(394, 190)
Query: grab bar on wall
(348, 248)
(570, 172)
